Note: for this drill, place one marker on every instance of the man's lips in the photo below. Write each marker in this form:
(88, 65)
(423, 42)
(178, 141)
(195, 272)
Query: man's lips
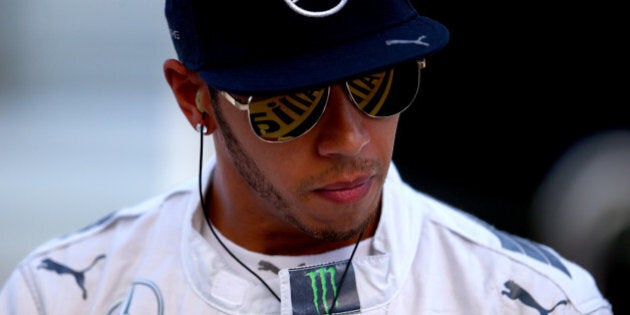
(346, 192)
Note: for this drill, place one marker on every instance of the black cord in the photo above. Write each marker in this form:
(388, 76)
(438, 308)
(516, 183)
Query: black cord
(345, 271)
(203, 208)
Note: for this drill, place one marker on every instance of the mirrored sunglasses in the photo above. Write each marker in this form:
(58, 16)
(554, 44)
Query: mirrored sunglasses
(281, 118)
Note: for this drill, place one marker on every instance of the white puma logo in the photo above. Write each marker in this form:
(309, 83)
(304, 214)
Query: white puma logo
(408, 41)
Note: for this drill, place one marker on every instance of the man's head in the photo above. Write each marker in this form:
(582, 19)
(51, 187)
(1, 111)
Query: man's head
(302, 99)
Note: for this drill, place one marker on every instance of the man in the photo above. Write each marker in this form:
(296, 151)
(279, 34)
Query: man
(300, 210)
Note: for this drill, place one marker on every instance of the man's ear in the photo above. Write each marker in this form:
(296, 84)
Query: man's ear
(191, 93)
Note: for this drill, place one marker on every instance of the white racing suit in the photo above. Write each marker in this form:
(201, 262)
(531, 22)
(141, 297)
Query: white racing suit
(425, 258)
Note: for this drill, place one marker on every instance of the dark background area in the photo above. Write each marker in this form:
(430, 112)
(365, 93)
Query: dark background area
(518, 84)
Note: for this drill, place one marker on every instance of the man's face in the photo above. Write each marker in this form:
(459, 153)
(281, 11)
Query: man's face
(326, 183)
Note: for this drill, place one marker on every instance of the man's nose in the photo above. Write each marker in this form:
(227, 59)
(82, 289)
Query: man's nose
(341, 129)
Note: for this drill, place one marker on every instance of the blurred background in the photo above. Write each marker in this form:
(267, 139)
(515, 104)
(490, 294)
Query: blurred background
(523, 120)
(87, 121)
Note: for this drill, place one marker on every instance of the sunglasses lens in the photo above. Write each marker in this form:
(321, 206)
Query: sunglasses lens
(382, 94)
(284, 117)
(388, 92)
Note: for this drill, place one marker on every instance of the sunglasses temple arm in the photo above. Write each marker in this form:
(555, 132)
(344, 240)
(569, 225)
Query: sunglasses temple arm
(236, 103)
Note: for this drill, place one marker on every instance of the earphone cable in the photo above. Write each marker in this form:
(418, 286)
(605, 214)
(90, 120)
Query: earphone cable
(205, 215)
(345, 271)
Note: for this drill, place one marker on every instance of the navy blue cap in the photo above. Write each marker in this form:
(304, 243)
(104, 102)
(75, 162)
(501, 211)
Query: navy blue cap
(266, 46)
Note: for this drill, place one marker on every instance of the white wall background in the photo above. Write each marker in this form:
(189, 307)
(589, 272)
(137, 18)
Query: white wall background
(87, 121)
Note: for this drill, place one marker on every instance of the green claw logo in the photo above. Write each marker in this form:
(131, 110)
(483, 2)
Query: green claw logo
(322, 297)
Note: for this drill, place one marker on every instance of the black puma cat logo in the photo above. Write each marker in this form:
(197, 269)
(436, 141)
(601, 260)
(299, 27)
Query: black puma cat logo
(267, 266)
(515, 292)
(79, 276)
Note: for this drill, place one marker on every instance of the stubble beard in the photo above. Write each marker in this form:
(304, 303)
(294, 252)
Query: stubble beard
(255, 178)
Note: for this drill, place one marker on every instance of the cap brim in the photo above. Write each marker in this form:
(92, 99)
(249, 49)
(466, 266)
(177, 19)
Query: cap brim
(415, 39)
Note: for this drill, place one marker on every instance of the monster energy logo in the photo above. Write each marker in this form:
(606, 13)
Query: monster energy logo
(321, 274)
(313, 289)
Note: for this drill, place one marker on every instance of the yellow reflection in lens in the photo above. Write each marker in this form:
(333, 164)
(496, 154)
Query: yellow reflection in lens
(370, 92)
(283, 117)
